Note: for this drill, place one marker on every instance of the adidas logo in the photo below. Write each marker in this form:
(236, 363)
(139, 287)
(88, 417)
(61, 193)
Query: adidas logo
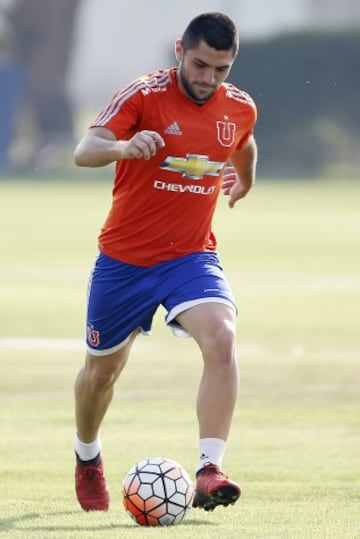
(173, 129)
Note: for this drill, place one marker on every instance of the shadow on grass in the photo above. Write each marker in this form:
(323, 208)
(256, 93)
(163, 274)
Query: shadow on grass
(11, 524)
(7, 524)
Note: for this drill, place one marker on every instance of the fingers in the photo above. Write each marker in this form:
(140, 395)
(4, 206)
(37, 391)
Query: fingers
(144, 145)
(229, 171)
(229, 178)
(227, 185)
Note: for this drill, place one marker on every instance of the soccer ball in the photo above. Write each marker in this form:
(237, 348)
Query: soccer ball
(157, 492)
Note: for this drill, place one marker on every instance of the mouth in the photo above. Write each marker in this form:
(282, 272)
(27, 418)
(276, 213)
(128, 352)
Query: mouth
(204, 85)
(204, 88)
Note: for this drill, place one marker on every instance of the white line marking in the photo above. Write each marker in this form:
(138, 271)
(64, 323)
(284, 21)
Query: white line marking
(75, 345)
(296, 351)
(37, 343)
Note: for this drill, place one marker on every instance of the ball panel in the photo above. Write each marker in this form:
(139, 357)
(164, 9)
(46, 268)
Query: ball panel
(169, 486)
(159, 487)
(155, 506)
(150, 520)
(131, 483)
(147, 476)
(135, 505)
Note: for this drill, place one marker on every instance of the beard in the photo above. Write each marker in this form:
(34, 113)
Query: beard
(190, 89)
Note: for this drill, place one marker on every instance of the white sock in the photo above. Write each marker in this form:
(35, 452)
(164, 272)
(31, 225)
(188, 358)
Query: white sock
(87, 451)
(211, 451)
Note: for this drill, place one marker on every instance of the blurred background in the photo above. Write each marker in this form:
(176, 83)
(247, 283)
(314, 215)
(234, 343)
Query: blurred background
(61, 61)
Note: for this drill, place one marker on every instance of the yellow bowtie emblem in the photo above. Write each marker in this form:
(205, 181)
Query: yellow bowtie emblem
(192, 166)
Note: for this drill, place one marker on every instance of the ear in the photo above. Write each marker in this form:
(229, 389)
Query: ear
(179, 50)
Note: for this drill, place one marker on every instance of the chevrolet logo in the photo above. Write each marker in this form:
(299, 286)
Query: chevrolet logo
(193, 166)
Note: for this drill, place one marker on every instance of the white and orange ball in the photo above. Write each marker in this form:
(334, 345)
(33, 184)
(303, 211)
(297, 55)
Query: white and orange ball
(157, 492)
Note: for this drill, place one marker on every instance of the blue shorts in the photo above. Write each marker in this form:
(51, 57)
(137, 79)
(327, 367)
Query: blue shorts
(123, 297)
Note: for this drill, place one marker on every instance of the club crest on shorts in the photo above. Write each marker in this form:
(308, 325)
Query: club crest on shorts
(226, 133)
(93, 336)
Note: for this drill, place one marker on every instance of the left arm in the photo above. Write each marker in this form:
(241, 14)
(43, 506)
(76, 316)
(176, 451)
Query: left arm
(238, 184)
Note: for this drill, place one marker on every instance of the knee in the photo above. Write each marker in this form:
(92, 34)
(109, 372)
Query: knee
(101, 373)
(101, 379)
(220, 345)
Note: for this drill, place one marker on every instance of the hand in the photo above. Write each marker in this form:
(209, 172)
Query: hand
(143, 145)
(231, 186)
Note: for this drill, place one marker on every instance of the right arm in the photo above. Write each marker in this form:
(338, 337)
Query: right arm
(99, 147)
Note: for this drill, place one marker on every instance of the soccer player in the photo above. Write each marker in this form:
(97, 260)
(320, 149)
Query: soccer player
(171, 134)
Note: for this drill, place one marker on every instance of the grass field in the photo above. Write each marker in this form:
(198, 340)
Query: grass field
(292, 253)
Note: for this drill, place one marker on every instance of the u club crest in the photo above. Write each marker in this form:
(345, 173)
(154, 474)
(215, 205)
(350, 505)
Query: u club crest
(225, 133)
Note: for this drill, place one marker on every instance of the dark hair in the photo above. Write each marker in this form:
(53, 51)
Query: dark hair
(216, 29)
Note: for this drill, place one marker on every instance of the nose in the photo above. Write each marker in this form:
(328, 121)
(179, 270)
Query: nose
(209, 76)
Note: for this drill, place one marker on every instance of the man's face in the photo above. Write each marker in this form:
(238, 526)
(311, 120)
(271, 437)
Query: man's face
(202, 70)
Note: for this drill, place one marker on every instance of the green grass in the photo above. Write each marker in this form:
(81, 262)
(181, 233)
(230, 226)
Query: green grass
(292, 253)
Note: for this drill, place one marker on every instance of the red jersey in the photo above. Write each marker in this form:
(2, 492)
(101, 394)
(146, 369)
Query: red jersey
(162, 208)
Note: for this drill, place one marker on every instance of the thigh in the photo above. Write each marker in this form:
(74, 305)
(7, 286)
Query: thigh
(121, 300)
(109, 366)
(201, 283)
